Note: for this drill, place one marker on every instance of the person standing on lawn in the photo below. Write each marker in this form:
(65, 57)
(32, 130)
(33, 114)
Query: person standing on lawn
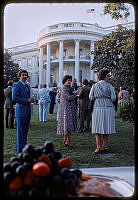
(103, 115)
(74, 88)
(9, 106)
(74, 84)
(123, 94)
(43, 100)
(85, 112)
(67, 120)
(52, 95)
(21, 96)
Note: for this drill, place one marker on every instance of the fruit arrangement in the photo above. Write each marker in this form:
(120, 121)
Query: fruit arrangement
(40, 172)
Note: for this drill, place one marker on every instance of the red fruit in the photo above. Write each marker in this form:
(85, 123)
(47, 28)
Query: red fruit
(16, 183)
(65, 162)
(44, 158)
(41, 169)
(28, 179)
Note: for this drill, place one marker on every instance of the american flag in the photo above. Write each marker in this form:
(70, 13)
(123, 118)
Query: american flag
(90, 10)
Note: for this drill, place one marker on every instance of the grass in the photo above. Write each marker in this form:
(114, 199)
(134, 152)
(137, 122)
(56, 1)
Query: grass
(121, 143)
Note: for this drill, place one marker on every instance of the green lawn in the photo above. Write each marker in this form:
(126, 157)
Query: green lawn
(121, 143)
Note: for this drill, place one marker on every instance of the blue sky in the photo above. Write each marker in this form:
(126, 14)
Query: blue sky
(23, 22)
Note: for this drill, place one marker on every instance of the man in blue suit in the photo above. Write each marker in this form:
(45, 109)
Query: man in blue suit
(21, 96)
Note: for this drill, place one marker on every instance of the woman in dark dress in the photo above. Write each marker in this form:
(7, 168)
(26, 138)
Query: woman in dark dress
(67, 122)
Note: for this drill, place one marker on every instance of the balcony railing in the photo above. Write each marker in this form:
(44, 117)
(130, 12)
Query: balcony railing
(82, 57)
(70, 57)
(78, 26)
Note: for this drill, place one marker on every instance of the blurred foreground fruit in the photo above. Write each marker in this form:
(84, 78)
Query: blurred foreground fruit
(40, 172)
(29, 177)
(44, 158)
(16, 183)
(65, 162)
(41, 169)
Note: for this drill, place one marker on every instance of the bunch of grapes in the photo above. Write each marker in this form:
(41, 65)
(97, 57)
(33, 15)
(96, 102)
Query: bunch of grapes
(40, 172)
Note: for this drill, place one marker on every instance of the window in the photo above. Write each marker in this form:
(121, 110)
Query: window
(64, 53)
(38, 61)
(29, 63)
(51, 78)
(80, 52)
(19, 63)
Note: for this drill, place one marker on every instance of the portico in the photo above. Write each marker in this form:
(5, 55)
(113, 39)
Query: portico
(67, 55)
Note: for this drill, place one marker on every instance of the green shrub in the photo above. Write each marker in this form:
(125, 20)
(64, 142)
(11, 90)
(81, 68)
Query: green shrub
(127, 110)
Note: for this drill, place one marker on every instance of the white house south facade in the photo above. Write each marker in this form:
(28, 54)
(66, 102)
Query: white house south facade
(61, 49)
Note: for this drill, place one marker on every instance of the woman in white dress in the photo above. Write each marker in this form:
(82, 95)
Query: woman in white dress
(103, 115)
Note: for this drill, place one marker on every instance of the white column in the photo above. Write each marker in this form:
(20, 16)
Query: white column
(41, 66)
(77, 63)
(48, 65)
(91, 60)
(61, 71)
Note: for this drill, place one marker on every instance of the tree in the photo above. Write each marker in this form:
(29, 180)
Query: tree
(10, 69)
(116, 10)
(116, 52)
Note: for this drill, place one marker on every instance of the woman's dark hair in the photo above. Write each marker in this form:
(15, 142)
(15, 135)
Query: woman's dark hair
(45, 85)
(22, 71)
(65, 78)
(102, 74)
(10, 83)
(85, 82)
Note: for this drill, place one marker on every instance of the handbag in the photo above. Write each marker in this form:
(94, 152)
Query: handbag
(91, 104)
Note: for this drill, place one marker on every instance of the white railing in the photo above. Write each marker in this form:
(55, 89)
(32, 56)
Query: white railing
(72, 26)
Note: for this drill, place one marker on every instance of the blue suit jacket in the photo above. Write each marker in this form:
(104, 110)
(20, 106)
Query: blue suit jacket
(20, 96)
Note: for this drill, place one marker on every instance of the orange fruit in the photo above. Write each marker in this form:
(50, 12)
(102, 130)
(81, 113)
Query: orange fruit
(65, 162)
(44, 158)
(28, 179)
(41, 169)
(16, 183)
